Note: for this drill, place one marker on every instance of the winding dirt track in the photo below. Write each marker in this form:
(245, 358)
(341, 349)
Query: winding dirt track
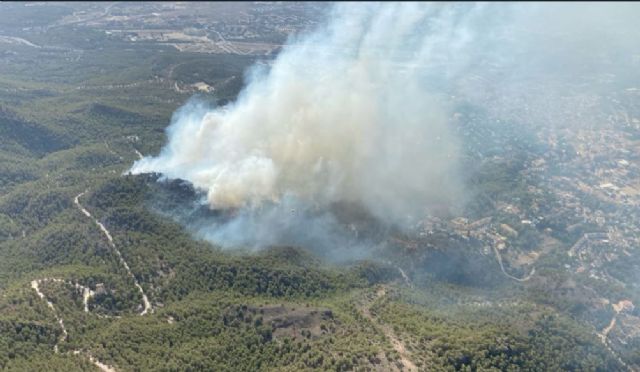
(398, 345)
(405, 277)
(499, 258)
(604, 337)
(146, 304)
(87, 292)
(35, 284)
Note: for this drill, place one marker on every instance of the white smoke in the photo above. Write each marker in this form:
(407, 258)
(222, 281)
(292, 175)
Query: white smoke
(357, 111)
(334, 120)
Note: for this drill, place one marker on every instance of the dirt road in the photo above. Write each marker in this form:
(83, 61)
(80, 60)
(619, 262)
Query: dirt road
(35, 284)
(499, 258)
(145, 300)
(398, 345)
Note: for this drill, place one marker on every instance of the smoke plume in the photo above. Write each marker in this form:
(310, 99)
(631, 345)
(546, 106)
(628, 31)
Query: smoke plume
(360, 112)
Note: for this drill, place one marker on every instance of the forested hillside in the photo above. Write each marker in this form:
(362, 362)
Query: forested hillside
(95, 276)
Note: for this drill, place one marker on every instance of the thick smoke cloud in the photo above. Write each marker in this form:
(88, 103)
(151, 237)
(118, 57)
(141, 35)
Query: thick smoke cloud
(360, 112)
